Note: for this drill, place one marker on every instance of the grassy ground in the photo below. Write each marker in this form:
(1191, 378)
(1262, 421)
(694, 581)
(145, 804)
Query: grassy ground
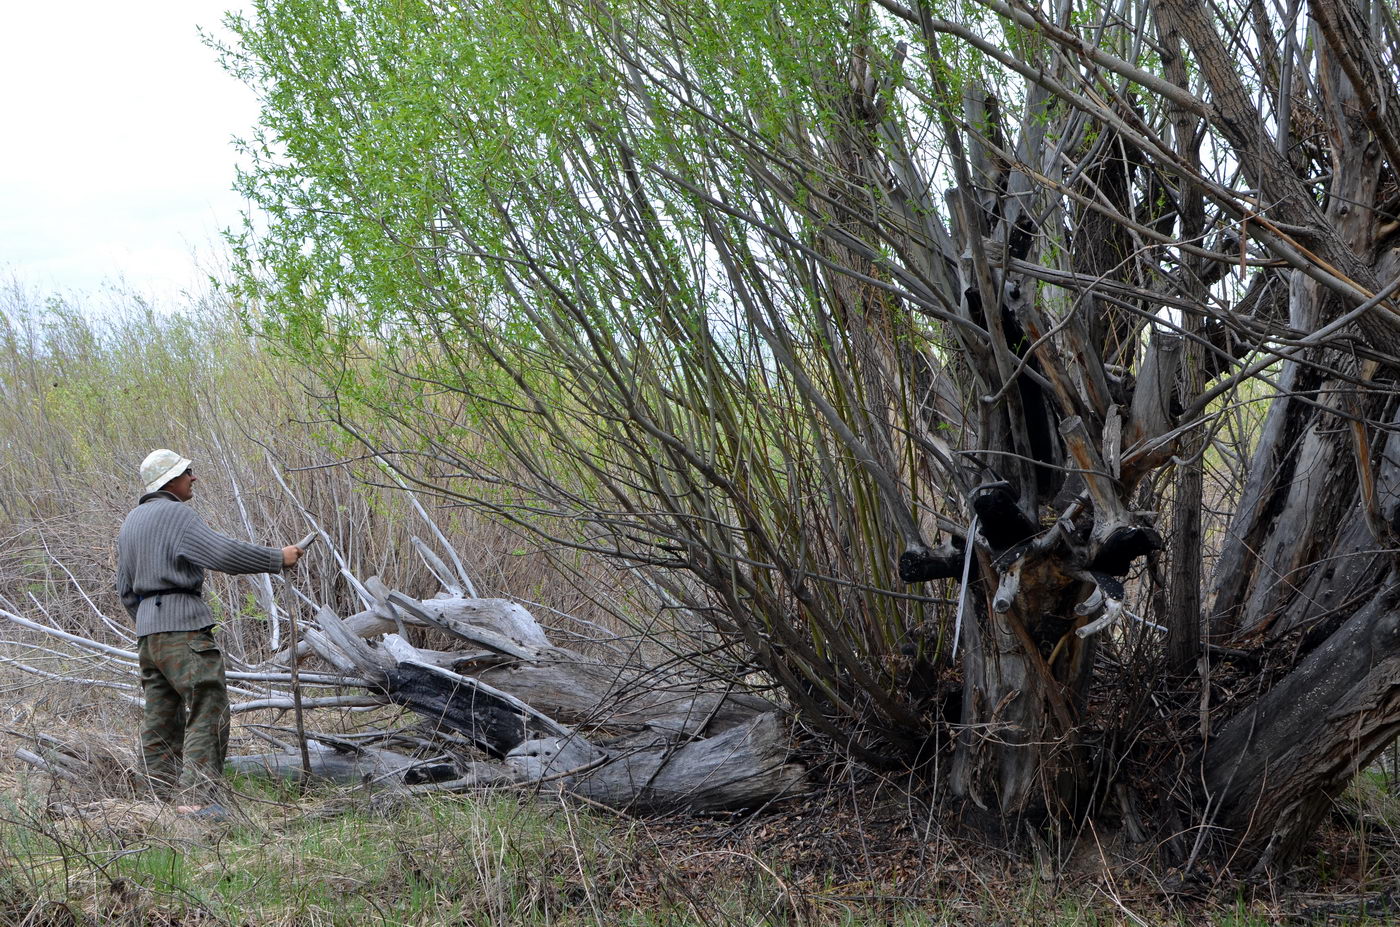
(862, 853)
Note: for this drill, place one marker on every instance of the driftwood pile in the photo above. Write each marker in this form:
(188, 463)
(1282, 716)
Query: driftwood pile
(505, 706)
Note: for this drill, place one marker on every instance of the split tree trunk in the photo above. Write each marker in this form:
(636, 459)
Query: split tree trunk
(1333, 613)
(1308, 570)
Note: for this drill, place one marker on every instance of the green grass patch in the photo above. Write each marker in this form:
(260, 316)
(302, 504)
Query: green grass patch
(445, 860)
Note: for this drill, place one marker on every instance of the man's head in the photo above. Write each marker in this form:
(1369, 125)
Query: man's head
(167, 470)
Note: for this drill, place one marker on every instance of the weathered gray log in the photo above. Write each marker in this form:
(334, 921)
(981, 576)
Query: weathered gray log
(496, 617)
(368, 623)
(496, 624)
(353, 647)
(562, 684)
(287, 703)
(50, 766)
(365, 765)
(1145, 442)
(1275, 767)
(575, 690)
(744, 767)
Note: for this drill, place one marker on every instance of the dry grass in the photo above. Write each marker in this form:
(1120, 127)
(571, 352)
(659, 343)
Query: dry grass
(85, 400)
(497, 860)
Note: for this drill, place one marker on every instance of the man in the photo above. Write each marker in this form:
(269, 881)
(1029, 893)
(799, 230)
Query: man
(163, 549)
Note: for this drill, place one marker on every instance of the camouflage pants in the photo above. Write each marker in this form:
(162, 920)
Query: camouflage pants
(187, 717)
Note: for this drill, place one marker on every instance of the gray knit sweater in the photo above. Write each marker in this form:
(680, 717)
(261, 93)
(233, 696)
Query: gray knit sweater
(163, 549)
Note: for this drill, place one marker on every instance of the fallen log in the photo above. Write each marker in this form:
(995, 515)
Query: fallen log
(370, 767)
(581, 691)
(519, 659)
(330, 763)
(743, 767)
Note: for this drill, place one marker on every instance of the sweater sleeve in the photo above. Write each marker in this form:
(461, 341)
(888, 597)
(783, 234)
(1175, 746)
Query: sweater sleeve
(205, 547)
(130, 600)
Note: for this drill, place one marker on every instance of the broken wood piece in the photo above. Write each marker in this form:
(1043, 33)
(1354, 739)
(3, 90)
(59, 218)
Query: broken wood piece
(52, 768)
(1091, 605)
(1109, 592)
(381, 594)
(1009, 585)
(744, 767)
(1112, 611)
(351, 645)
(1117, 538)
(437, 567)
(334, 763)
(544, 758)
(477, 633)
(1113, 441)
(286, 704)
(368, 623)
(323, 648)
(1150, 414)
(523, 636)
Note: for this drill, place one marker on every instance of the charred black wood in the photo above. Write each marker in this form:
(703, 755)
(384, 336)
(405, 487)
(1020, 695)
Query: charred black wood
(1022, 236)
(494, 725)
(999, 518)
(1123, 546)
(1111, 587)
(1041, 416)
(920, 563)
(438, 772)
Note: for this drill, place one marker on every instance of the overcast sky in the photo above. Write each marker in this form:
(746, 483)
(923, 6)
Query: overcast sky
(117, 159)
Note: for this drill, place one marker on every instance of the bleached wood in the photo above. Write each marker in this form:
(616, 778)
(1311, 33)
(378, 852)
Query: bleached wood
(742, 768)
(437, 567)
(475, 631)
(287, 704)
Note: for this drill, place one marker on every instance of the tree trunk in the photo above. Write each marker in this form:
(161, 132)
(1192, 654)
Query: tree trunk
(1306, 568)
(1276, 768)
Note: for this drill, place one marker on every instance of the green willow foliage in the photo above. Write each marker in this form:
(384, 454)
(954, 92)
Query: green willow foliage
(589, 232)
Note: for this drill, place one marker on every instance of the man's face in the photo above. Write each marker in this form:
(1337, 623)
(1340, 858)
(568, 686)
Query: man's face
(182, 487)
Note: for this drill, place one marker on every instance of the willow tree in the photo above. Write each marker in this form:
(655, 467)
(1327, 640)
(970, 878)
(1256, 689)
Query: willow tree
(923, 357)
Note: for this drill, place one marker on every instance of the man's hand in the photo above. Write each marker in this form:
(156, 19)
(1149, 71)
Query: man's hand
(290, 556)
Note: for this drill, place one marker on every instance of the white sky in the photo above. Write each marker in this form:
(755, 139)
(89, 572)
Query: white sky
(116, 162)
